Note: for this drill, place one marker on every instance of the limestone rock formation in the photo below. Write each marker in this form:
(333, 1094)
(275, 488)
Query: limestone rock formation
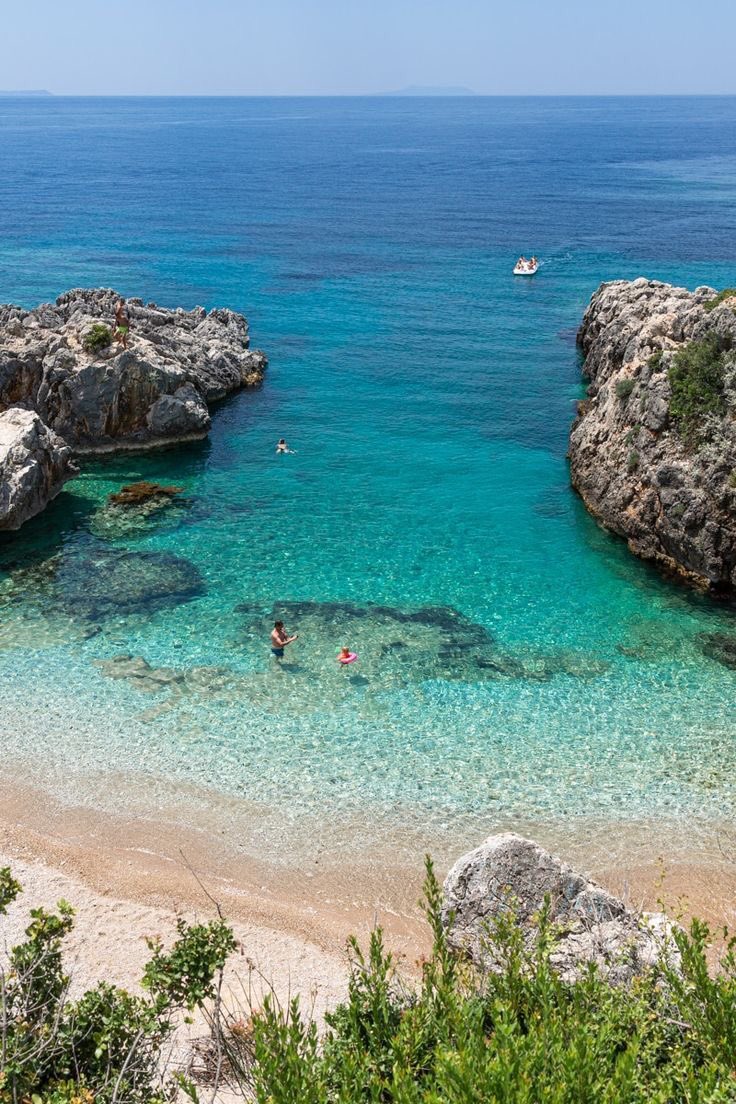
(508, 872)
(34, 465)
(108, 398)
(59, 389)
(655, 465)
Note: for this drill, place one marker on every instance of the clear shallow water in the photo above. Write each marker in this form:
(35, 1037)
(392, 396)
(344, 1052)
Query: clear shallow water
(514, 660)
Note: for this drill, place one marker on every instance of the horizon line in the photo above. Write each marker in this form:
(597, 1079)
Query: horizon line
(34, 95)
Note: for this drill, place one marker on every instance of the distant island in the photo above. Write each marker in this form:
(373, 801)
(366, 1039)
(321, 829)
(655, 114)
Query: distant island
(25, 92)
(433, 90)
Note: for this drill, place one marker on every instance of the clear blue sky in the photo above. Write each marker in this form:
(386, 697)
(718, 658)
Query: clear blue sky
(369, 46)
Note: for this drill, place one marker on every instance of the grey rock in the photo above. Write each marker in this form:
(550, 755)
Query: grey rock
(182, 414)
(624, 453)
(178, 361)
(34, 465)
(508, 874)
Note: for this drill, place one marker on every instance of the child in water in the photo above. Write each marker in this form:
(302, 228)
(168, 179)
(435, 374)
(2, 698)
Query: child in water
(346, 656)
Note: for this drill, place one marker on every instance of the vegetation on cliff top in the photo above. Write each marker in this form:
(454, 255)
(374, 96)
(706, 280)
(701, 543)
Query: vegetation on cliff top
(696, 376)
(721, 297)
(519, 1035)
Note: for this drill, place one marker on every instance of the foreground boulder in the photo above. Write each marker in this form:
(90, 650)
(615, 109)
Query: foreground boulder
(34, 465)
(508, 873)
(653, 449)
(58, 360)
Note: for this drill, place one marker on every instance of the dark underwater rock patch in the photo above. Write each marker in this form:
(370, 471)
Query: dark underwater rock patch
(418, 644)
(721, 647)
(108, 582)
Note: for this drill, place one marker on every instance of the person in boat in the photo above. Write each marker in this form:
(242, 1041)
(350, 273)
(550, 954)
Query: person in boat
(282, 447)
(533, 262)
(280, 639)
(522, 262)
(122, 324)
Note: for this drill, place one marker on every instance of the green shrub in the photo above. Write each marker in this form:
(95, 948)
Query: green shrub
(696, 385)
(97, 337)
(624, 387)
(655, 360)
(519, 1036)
(631, 435)
(732, 479)
(633, 462)
(104, 1047)
(727, 293)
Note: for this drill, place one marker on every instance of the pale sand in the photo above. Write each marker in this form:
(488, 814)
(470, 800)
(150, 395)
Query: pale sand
(129, 875)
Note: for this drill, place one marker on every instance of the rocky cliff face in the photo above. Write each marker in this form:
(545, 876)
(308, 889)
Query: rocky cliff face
(653, 448)
(154, 393)
(34, 465)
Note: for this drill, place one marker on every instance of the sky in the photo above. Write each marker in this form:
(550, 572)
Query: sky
(346, 47)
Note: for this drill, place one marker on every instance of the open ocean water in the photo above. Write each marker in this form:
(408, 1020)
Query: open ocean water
(515, 661)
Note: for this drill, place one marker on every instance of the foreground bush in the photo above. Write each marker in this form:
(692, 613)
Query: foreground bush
(106, 1046)
(520, 1035)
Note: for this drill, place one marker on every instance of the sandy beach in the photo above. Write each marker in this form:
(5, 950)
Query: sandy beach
(130, 876)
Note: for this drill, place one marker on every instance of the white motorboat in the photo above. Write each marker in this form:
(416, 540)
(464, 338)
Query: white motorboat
(525, 268)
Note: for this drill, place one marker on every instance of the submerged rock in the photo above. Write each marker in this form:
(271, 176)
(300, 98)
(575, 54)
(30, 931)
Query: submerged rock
(508, 874)
(431, 642)
(721, 647)
(662, 479)
(34, 465)
(108, 582)
(153, 680)
(135, 494)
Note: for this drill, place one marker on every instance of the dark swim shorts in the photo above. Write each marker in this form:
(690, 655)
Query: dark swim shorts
(278, 652)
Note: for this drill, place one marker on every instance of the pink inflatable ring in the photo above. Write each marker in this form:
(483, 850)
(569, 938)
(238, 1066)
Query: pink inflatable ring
(351, 658)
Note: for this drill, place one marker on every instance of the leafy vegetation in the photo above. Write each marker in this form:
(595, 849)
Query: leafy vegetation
(105, 1046)
(633, 462)
(97, 337)
(518, 1036)
(624, 387)
(655, 360)
(697, 384)
(727, 293)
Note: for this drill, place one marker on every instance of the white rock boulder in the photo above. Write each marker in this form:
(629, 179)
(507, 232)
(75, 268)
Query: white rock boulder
(508, 873)
(34, 465)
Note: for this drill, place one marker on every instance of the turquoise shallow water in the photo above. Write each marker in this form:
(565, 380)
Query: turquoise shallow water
(514, 660)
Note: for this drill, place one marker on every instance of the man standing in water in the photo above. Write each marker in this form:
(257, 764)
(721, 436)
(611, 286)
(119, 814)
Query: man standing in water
(122, 324)
(280, 638)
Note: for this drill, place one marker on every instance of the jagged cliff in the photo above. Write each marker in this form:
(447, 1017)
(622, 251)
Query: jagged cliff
(653, 448)
(108, 398)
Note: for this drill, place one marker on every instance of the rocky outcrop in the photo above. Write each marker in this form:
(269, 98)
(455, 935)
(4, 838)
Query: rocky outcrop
(667, 487)
(34, 465)
(59, 395)
(152, 393)
(510, 874)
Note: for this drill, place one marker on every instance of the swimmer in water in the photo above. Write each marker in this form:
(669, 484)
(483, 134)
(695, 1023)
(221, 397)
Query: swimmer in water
(346, 656)
(280, 639)
(282, 447)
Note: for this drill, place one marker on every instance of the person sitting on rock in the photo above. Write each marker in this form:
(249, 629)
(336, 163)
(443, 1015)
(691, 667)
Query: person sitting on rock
(122, 324)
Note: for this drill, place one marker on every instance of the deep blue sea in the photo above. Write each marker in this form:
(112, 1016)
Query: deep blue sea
(515, 663)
